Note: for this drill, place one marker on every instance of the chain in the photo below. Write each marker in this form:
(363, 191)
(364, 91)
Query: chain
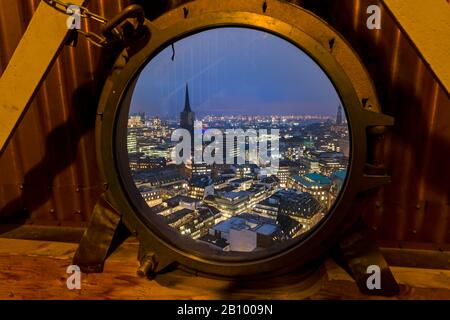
(84, 12)
(109, 29)
(94, 38)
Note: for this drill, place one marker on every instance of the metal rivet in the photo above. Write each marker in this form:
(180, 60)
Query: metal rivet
(264, 6)
(331, 43)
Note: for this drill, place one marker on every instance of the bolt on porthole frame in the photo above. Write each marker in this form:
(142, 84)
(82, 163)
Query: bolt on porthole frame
(292, 24)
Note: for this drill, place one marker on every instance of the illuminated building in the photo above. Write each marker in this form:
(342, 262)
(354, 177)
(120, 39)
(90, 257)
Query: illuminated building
(232, 203)
(283, 173)
(246, 232)
(315, 184)
(311, 165)
(245, 170)
(343, 146)
(200, 187)
(179, 217)
(204, 218)
(271, 182)
(337, 182)
(329, 165)
(200, 169)
(132, 145)
(138, 162)
(301, 207)
(267, 208)
(151, 196)
(241, 184)
(257, 192)
(136, 120)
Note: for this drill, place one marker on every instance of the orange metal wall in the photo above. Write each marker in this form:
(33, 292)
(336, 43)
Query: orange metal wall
(414, 210)
(49, 169)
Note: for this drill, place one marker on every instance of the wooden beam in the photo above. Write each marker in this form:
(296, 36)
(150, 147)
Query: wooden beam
(37, 270)
(33, 57)
(427, 24)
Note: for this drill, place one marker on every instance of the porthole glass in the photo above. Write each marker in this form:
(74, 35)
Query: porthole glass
(238, 143)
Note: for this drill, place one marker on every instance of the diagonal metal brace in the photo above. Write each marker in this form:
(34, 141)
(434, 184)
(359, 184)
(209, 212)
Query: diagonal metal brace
(32, 59)
(359, 251)
(97, 239)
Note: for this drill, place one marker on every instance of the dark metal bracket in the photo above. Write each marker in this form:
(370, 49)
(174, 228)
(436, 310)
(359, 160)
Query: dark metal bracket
(357, 251)
(98, 238)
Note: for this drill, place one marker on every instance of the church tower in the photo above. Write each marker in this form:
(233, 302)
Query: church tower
(339, 116)
(187, 116)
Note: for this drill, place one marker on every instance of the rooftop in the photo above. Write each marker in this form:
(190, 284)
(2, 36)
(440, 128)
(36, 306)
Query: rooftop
(174, 201)
(312, 179)
(241, 180)
(233, 195)
(248, 221)
(177, 215)
(341, 174)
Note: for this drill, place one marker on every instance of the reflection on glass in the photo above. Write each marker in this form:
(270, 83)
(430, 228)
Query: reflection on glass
(265, 146)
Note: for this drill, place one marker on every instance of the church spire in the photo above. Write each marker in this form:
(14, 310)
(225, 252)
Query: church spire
(339, 116)
(187, 104)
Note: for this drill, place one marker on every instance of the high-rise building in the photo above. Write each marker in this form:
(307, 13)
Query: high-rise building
(283, 173)
(132, 145)
(339, 115)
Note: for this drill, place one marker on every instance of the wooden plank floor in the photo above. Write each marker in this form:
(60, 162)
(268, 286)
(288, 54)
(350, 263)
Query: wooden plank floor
(31, 269)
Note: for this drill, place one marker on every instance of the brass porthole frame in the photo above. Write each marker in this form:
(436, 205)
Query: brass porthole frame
(289, 22)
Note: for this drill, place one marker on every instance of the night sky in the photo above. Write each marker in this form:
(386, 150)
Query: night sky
(234, 71)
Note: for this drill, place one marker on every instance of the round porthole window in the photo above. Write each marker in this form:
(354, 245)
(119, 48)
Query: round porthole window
(237, 143)
(234, 144)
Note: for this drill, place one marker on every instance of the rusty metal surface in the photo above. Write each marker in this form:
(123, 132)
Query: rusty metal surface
(50, 168)
(414, 210)
(49, 171)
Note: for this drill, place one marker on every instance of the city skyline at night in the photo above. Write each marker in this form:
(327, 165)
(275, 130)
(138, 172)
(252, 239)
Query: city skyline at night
(234, 71)
(243, 200)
